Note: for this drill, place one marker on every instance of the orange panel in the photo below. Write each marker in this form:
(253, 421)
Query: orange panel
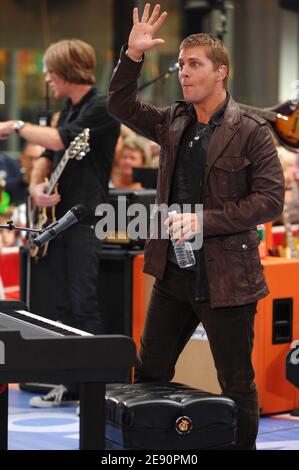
(276, 394)
(282, 275)
(142, 287)
(138, 303)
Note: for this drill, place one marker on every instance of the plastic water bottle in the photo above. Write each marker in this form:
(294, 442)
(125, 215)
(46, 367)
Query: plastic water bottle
(261, 230)
(183, 251)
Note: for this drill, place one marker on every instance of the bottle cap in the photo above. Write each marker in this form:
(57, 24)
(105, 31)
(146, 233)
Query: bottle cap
(172, 213)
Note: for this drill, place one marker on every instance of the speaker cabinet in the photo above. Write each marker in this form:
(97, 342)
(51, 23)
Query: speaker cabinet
(123, 289)
(276, 326)
(36, 285)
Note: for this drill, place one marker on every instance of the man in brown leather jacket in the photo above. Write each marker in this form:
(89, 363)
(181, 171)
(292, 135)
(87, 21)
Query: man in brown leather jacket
(214, 154)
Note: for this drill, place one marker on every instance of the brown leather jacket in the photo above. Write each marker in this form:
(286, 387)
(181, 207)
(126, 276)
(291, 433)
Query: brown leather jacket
(243, 186)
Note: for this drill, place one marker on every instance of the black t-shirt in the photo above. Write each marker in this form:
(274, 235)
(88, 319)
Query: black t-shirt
(191, 159)
(85, 181)
(188, 180)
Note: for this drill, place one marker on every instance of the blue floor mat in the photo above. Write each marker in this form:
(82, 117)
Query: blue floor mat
(58, 428)
(40, 429)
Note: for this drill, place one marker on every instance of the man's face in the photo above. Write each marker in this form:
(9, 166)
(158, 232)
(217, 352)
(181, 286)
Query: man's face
(197, 74)
(59, 86)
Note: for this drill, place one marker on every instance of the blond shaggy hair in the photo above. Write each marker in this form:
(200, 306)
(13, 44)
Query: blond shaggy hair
(72, 60)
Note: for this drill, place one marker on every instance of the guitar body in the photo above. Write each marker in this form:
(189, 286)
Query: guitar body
(284, 120)
(42, 217)
(287, 123)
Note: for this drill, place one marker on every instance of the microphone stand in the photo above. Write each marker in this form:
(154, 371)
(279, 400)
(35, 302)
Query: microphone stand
(222, 29)
(10, 226)
(164, 76)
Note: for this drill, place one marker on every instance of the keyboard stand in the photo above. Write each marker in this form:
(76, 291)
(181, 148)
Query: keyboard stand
(92, 417)
(91, 362)
(3, 419)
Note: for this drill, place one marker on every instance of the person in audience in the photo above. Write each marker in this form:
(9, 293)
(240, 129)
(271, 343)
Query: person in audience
(124, 133)
(155, 154)
(134, 154)
(28, 158)
(10, 174)
(291, 202)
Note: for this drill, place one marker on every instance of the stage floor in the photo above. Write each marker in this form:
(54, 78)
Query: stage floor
(58, 428)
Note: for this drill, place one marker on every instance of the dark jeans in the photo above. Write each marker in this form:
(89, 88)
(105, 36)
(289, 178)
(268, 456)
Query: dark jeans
(74, 263)
(74, 258)
(172, 317)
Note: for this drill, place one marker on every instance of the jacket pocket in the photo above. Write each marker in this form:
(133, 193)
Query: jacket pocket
(243, 259)
(231, 177)
(241, 241)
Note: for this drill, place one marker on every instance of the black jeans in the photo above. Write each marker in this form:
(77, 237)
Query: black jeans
(172, 317)
(74, 258)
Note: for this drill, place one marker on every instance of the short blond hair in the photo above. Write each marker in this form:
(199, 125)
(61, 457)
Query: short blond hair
(73, 60)
(138, 143)
(215, 49)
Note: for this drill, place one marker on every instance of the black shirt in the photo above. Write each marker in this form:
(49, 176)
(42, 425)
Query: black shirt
(85, 181)
(191, 159)
(189, 176)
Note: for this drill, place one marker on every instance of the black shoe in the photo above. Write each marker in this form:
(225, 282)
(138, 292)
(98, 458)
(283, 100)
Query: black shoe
(58, 396)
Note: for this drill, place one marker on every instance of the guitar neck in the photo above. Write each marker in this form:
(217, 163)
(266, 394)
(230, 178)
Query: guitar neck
(57, 173)
(268, 115)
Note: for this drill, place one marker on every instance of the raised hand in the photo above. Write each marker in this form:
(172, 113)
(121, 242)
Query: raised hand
(141, 36)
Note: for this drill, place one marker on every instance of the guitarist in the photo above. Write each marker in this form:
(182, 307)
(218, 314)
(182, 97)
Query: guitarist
(74, 255)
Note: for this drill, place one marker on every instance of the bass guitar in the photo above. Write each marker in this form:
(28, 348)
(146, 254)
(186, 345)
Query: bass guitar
(284, 120)
(41, 217)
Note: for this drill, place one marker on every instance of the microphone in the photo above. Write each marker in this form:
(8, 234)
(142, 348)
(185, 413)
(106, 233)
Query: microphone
(174, 68)
(164, 76)
(73, 216)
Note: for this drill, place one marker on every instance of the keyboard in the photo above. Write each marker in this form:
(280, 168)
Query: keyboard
(36, 349)
(27, 321)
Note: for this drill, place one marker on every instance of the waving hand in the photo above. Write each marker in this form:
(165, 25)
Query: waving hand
(141, 36)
